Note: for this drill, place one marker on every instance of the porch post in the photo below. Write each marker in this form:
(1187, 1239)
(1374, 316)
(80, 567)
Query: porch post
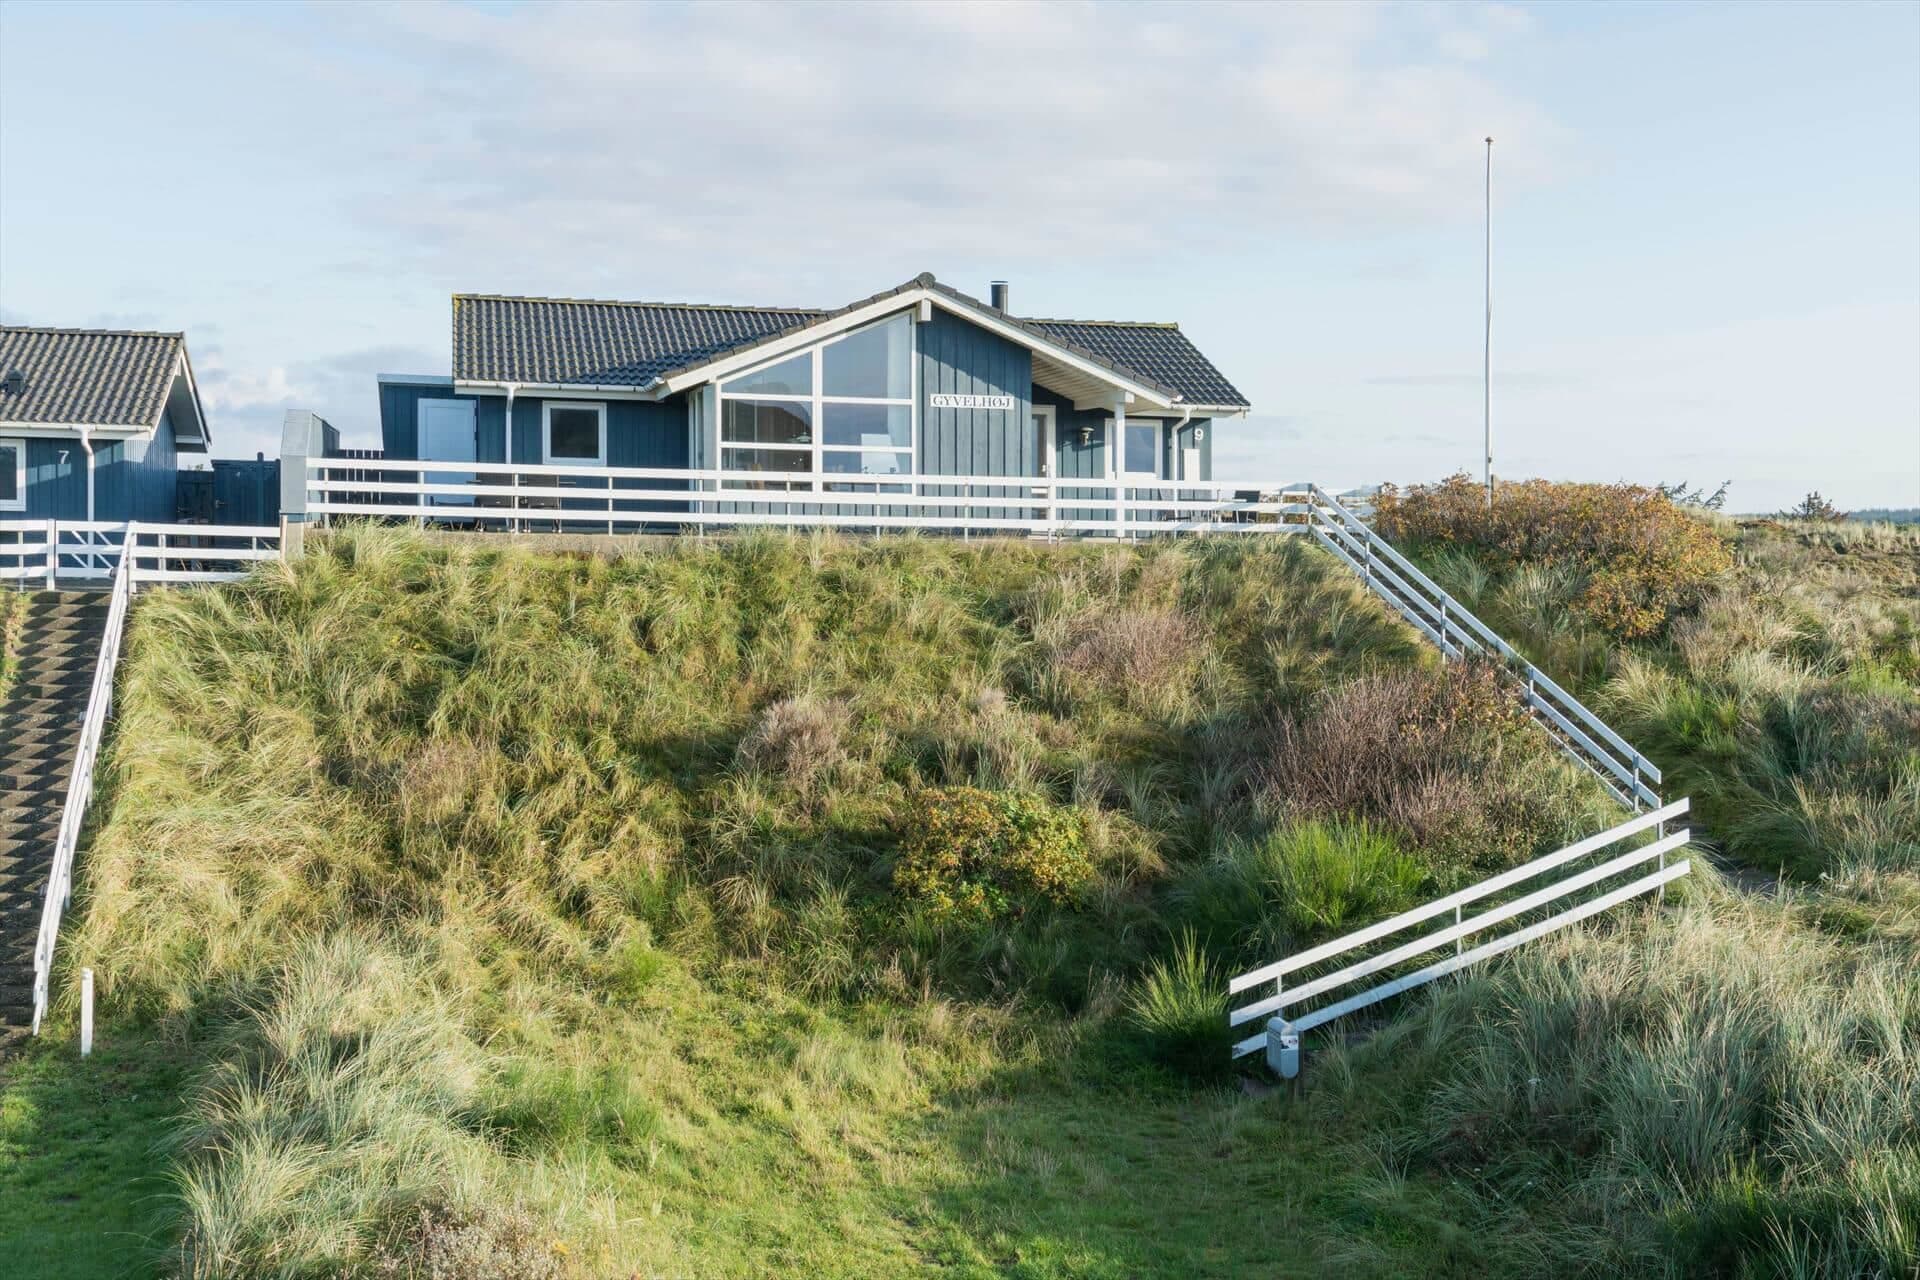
(1115, 443)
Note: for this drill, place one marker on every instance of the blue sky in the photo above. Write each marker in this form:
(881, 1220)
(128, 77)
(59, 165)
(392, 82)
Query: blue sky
(1707, 217)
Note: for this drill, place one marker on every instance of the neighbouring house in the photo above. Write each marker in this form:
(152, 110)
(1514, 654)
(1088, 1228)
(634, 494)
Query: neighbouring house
(93, 423)
(919, 380)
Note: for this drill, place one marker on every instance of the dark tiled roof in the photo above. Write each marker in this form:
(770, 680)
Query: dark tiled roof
(91, 377)
(533, 340)
(1157, 351)
(600, 343)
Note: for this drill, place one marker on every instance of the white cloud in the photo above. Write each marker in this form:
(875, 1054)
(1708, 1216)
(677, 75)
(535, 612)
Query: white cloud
(675, 145)
(246, 407)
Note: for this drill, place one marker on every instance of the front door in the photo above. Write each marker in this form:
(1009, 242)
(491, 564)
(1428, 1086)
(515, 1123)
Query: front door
(447, 435)
(1043, 441)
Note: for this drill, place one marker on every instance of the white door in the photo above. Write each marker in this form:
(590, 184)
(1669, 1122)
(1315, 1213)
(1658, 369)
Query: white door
(447, 434)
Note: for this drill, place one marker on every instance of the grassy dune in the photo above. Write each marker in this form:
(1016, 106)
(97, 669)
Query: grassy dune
(482, 912)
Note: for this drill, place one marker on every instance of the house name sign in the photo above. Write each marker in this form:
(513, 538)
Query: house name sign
(946, 400)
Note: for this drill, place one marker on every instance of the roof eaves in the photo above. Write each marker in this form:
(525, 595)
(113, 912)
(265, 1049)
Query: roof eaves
(925, 280)
(1052, 340)
(817, 318)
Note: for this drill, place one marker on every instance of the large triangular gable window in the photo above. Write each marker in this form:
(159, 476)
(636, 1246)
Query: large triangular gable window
(844, 408)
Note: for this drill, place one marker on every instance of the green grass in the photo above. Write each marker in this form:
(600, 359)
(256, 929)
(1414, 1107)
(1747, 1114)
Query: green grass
(85, 1191)
(554, 897)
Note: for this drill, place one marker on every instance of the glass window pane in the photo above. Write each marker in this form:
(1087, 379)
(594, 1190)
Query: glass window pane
(872, 462)
(766, 422)
(872, 425)
(1143, 449)
(573, 435)
(765, 460)
(9, 473)
(872, 363)
(792, 377)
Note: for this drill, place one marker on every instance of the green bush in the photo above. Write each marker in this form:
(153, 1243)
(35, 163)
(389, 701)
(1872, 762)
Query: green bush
(972, 854)
(1180, 1007)
(1330, 876)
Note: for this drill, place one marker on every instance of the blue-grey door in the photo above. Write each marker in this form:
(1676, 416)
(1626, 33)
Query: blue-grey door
(448, 434)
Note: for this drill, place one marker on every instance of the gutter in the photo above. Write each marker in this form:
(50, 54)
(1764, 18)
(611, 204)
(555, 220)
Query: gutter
(653, 389)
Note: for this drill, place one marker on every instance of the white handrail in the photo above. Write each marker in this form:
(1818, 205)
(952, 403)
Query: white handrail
(134, 561)
(514, 494)
(1286, 1027)
(92, 550)
(1453, 627)
(73, 814)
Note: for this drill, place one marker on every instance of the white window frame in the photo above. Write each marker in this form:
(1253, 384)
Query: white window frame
(1159, 449)
(546, 432)
(817, 448)
(19, 501)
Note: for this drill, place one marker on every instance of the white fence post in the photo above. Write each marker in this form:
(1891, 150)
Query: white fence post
(86, 1012)
(53, 555)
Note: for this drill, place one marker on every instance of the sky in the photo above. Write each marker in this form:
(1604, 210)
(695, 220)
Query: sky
(1706, 218)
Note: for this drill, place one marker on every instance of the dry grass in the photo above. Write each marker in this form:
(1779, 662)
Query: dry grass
(1446, 758)
(507, 900)
(1715, 1092)
(800, 741)
(483, 801)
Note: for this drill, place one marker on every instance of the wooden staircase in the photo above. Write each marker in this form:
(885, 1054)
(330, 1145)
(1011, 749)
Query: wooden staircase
(40, 721)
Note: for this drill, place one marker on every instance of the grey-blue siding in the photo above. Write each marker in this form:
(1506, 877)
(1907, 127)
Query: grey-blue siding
(639, 433)
(132, 479)
(957, 357)
(954, 356)
(56, 479)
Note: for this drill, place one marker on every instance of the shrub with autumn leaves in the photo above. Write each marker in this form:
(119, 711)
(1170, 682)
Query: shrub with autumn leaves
(968, 854)
(1641, 558)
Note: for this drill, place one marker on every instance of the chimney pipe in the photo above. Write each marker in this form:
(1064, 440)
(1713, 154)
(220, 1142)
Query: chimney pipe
(998, 294)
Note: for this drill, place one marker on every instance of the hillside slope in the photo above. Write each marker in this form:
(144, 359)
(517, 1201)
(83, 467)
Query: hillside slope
(472, 911)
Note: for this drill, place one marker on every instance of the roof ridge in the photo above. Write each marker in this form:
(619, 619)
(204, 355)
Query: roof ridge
(1112, 324)
(628, 302)
(93, 333)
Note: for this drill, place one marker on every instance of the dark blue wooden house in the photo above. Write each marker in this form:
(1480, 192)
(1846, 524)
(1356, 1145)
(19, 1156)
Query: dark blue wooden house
(93, 423)
(921, 379)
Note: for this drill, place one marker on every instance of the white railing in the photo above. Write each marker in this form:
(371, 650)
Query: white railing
(47, 553)
(50, 554)
(1286, 1021)
(618, 499)
(1582, 735)
(73, 814)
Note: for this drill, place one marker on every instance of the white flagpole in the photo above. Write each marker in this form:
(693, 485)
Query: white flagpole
(1486, 369)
